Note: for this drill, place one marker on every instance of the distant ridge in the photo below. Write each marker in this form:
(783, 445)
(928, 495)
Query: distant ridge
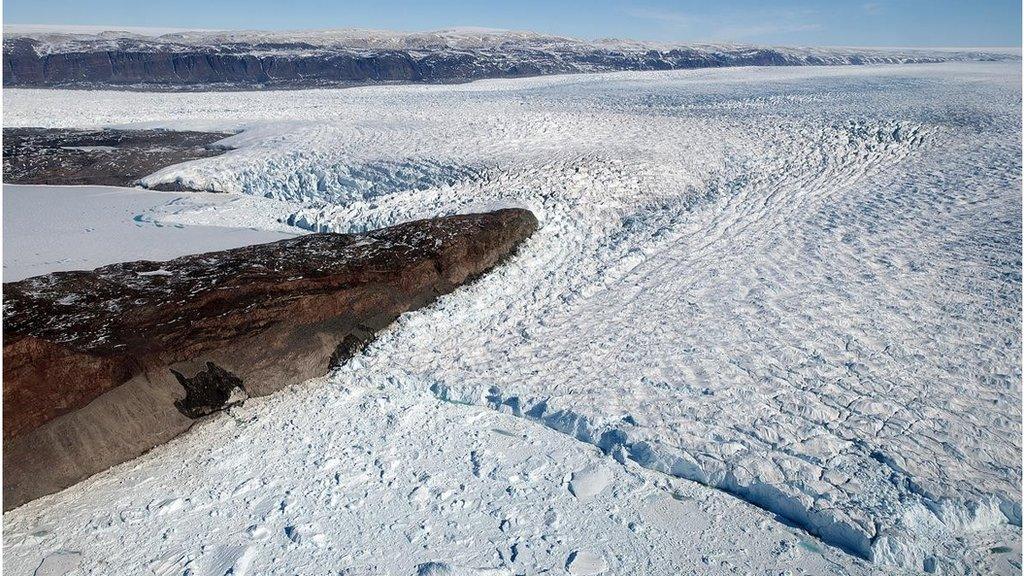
(169, 59)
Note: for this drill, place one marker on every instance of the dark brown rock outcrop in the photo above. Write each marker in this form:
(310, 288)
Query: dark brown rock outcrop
(101, 157)
(101, 366)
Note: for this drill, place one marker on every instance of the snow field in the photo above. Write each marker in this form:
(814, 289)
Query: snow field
(798, 286)
(54, 228)
(393, 483)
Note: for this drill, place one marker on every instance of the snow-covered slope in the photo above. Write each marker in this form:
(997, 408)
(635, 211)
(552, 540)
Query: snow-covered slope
(797, 286)
(201, 59)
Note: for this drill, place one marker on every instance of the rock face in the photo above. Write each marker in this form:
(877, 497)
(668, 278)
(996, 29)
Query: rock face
(101, 157)
(101, 366)
(246, 60)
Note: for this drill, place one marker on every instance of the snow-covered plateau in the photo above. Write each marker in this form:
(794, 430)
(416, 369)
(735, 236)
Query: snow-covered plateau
(770, 323)
(83, 57)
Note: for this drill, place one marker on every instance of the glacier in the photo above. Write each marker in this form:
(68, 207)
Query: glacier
(793, 288)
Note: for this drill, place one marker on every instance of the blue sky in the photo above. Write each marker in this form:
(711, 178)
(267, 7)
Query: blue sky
(797, 22)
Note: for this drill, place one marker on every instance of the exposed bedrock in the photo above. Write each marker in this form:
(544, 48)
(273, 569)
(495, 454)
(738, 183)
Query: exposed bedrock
(178, 64)
(103, 157)
(101, 366)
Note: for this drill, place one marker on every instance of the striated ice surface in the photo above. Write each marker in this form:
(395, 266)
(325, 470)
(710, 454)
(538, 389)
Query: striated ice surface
(800, 286)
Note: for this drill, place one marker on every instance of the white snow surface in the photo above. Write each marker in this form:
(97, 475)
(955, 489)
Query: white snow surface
(55, 228)
(797, 286)
(392, 482)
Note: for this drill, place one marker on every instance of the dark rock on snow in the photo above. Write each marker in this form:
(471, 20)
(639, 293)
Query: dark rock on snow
(100, 157)
(101, 366)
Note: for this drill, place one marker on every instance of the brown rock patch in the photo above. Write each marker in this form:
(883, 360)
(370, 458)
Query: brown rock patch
(101, 366)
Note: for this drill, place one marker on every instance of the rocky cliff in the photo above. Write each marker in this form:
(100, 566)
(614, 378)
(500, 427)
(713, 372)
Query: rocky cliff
(246, 60)
(101, 366)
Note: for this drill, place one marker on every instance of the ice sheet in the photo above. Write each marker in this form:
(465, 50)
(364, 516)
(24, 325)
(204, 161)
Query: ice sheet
(800, 287)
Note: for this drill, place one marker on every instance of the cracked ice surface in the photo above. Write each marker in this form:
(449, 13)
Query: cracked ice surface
(392, 482)
(800, 286)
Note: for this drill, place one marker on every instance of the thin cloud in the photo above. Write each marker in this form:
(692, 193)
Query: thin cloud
(872, 8)
(727, 26)
(768, 29)
(663, 16)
